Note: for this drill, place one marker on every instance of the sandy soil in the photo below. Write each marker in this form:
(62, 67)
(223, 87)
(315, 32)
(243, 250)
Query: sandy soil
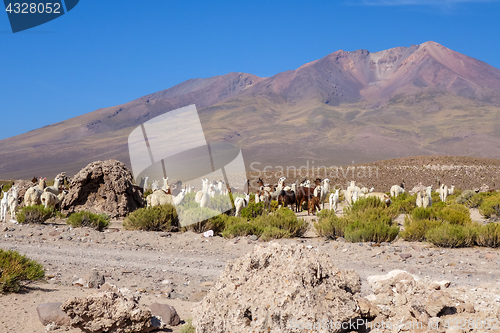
(140, 261)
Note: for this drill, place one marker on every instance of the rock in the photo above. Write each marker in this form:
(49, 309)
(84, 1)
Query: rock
(405, 256)
(207, 284)
(380, 283)
(51, 313)
(166, 313)
(175, 295)
(436, 302)
(103, 187)
(275, 285)
(54, 233)
(254, 237)
(489, 255)
(196, 297)
(94, 279)
(439, 285)
(109, 311)
(368, 310)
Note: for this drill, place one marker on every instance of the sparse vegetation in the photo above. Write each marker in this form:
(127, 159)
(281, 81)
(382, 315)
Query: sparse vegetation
(253, 210)
(281, 224)
(16, 268)
(88, 219)
(367, 220)
(159, 218)
(451, 235)
(415, 229)
(490, 205)
(36, 214)
(464, 197)
(488, 235)
(402, 204)
(188, 327)
(330, 225)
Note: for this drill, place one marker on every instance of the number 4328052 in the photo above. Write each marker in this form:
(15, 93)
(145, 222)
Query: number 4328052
(32, 8)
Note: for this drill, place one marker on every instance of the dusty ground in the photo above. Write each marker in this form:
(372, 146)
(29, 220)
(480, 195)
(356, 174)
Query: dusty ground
(140, 261)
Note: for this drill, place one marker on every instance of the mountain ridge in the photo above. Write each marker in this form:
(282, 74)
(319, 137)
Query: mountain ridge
(419, 100)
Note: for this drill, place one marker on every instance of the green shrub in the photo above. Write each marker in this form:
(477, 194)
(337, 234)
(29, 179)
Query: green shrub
(364, 204)
(242, 227)
(15, 268)
(369, 221)
(451, 235)
(188, 327)
(488, 235)
(88, 219)
(329, 224)
(454, 214)
(370, 231)
(477, 199)
(270, 233)
(275, 205)
(146, 193)
(402, 204)
(490, 206)
(35, 214)
(415, 229)
(253, 210)
(281, 224)
(217, 224)
(284, 219)
(421, 213)
(464, 197)
(159, 218)
(453, 197)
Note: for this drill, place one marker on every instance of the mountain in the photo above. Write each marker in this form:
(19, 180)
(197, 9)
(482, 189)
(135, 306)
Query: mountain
(348, 106)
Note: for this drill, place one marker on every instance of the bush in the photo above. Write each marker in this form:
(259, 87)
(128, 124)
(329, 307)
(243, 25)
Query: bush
(253, 210)
(35, 214)
(370, 231)
(217, 224)
(146, 193)
(281, 224)
(488, 235)
(159, 218)
(329, 224)
(454, 214)
(364, 204)
(490, 206)
(188, 327)
(242, 227)
(477, 199)
(88, 219)
(402, 204)
(285, 219)
(451, 235)
(369, 220)
(15, 268)
(421, 213)
(415, 229)
(464, 197)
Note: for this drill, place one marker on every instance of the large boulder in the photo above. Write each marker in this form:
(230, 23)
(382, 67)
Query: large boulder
(51, 313)
(280, 288)
(113, 311)
(103, 187)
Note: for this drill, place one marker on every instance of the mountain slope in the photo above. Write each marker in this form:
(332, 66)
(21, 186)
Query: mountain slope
(348, 106)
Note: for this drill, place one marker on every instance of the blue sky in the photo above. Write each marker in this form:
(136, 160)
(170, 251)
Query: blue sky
(105, 53)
